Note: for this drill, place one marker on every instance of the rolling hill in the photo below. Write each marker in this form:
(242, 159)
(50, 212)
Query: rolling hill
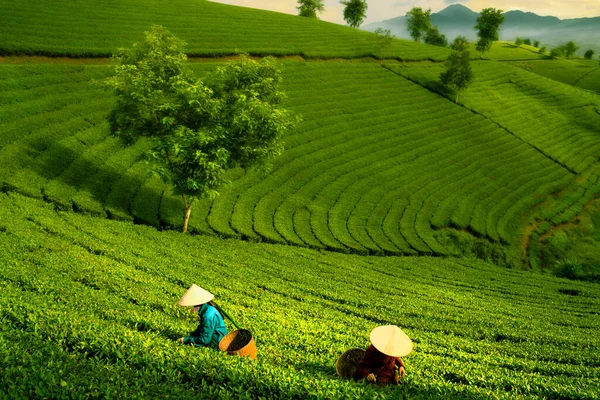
(390, 205)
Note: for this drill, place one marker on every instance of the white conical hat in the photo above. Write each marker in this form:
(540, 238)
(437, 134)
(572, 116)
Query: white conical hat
(195, 295)
(391, 341)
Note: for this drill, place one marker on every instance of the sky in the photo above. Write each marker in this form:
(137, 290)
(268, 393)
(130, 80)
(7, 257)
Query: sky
(385, 9)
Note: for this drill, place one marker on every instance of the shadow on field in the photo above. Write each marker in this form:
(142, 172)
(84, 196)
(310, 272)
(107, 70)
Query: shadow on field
(70, 166)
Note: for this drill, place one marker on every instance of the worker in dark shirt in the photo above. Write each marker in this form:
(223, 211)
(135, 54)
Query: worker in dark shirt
(378, 364)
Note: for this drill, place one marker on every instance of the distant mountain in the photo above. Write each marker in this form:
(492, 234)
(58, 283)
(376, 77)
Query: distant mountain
(551, 31)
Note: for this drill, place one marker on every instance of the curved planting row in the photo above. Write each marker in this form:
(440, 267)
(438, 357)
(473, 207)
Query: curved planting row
(98, 298)
(99, 28)
(379, 164)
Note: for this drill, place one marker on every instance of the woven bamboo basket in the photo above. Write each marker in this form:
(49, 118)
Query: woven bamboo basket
(348, 361)
(239, 342)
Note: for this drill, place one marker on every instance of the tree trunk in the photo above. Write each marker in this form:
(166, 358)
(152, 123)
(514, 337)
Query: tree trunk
(188, 211)
(456, 101)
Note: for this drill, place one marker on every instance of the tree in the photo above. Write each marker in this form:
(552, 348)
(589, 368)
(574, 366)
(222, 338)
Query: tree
(310, 8)
(460, 44)
(557, 52)
(418, 23)
(570, 48)
(383, 40)
(527, 41)
(458, 74)
(355, 12)
(198, 128)
(487, 26)
(436, 38)
(542, 49)
(536, 43)
(589, 54)
(519, 41)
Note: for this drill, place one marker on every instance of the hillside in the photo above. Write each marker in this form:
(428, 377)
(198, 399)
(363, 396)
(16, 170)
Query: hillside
(97, 298)
(391, 204)
(352, 178)
(458, 20)
(81, 28)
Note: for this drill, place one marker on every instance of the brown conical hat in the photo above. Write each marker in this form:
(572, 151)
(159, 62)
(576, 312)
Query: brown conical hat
(391, 341)
(195, 295)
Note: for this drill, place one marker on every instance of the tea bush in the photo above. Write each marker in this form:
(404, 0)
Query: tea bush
(88, 309)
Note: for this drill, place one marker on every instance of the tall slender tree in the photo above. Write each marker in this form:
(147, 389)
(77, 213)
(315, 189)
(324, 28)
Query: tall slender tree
(418, 22)
(458, 74)
(310, 8)
(488, 24)
(355, 12)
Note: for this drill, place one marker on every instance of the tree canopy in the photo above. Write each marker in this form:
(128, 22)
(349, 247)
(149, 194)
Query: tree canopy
(435, 38)
(199, 128)
(418, 22)
(310, 8)
(589, 54)
(383, 40)
(355, 12)
(458, 74)
(488, 24)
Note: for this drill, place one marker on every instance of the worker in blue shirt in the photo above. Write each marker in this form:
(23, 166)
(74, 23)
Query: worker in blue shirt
(212, 327)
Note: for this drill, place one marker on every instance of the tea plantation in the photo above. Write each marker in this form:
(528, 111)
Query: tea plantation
(352, 178)
(81, 28)
(88, 309)
(373, 215)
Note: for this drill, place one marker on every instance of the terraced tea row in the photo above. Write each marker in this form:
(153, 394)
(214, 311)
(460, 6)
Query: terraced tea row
(584, 74)
(558, 120)
(99, 28)
(98, 299)
(378, 165)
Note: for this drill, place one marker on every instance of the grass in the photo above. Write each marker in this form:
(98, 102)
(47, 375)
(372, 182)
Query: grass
(97, 29)
(98, 298)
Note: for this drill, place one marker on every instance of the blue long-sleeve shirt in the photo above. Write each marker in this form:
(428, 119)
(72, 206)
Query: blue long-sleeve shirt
(211, 329)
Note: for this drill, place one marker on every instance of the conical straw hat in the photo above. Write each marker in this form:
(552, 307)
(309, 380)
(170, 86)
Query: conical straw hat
(391, 341)
(195, 295)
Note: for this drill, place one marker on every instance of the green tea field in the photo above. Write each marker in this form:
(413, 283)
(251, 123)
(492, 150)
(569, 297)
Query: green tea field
(81, 28)
(97, 298)
(391, 204)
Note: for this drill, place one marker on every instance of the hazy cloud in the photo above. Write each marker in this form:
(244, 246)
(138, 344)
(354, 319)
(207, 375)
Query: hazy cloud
(455, 1)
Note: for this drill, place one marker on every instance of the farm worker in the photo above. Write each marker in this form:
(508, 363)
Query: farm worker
(212, 326)
(388, 344)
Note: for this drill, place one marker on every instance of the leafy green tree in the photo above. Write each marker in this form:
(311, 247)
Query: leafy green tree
(418, 22)
(570, 48)
(527, 41)
(589, 54)
(383, 40)
(355, 12)
(199, 128)
(542, 49)
(519, 41)
(310, 8)
(488, 24)
(436, 38)
(460, 44)
(536, 43)
(557, 52)
(458, 74)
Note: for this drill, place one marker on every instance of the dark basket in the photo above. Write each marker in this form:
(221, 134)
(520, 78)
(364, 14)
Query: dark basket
(347, 363)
